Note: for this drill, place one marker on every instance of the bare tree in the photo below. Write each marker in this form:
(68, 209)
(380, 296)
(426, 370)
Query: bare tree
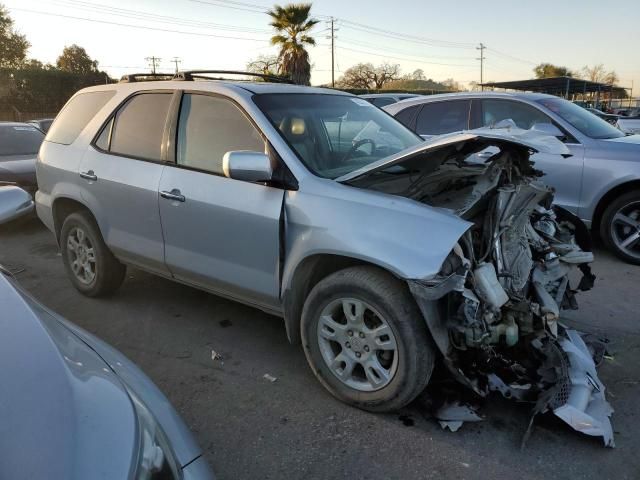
(418, 74)
(358, 76)
(265, 64)
(384, 74)
(452, 85)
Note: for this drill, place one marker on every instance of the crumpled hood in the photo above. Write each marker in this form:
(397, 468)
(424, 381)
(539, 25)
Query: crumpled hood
(475, 140)
(57, 394)
(629, 139)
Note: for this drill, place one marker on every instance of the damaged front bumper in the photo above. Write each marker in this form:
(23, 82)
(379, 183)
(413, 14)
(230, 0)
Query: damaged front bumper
(505, 335)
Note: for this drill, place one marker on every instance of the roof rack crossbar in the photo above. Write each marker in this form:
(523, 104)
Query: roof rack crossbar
(133, 77)
(189, 75)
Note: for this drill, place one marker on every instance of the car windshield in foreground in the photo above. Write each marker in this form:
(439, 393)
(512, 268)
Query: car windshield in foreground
(335, 134)
(582, 119)
(20, 140)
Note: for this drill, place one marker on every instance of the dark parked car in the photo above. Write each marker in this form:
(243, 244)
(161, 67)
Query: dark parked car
(19, 145)
(43, 124)
(383, 99)
(607, 117)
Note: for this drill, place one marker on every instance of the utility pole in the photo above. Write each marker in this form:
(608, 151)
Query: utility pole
(154, 62)
(333, 49)
(481, 48)
(176, 60)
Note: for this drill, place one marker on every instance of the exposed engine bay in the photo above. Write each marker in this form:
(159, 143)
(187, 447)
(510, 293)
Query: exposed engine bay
(494, 308)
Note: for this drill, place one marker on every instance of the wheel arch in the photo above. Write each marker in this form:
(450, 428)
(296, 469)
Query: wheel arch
(62, 207)
(307, 274)
(609, 197)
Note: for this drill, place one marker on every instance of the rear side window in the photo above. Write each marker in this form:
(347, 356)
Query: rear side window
(76, 114)
(406, 116)
(443, 117)
(524, 116)
(208, 128)
(139, 126)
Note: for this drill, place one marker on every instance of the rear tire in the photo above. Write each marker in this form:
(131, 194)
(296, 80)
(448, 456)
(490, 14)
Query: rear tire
(366, 340)
(620, 227)
(92, 268)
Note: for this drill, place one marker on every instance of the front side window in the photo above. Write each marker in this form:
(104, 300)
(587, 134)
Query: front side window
(208, 128)
(443, 117)
(334, 134)
(524, 116)
(581, 119)
(76, 114)
(19, 140)
(139, 126)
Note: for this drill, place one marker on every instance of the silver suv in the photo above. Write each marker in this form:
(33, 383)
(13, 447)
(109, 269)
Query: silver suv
(599, 181)
(381, 251)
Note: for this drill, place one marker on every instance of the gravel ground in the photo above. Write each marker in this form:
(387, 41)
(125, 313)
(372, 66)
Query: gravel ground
(250, 427)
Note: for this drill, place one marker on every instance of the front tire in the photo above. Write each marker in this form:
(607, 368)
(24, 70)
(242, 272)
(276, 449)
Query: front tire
(91, 266)
(365, 339)
(620, 227)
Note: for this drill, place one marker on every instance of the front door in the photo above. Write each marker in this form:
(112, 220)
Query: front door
(219, 233)
(121, 175)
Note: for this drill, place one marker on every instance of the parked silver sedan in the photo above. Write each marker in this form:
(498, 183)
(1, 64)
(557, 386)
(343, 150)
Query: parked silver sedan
(72, 407)
(599, 182)
(382, 252)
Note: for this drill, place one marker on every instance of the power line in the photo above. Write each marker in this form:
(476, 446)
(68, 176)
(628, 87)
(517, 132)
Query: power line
(414, 59)
(142, 27)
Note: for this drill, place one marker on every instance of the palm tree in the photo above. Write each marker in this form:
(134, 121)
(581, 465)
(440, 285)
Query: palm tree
(292, 24)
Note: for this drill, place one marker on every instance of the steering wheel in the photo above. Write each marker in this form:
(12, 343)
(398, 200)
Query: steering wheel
(357, 145)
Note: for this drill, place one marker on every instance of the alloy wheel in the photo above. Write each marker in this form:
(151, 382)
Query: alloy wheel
(82, 259)
(625, 229)
(357, 344)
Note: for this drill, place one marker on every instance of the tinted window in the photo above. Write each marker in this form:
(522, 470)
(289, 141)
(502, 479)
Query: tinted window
(139, 126)
(583, 120)
(443, 117)
(76, 114)
(103, 140)
(382, 101)
(208, 128)
(406, 116)
(20, 140)
(524, 116)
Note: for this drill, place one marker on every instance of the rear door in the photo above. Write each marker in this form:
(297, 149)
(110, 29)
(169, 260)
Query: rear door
(220, 234)
(564, 174)
(437, 118)
(121, 173)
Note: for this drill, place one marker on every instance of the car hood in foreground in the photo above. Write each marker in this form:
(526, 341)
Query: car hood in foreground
(63, 412)
(476, 140)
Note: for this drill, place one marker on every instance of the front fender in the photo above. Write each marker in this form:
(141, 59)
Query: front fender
(407, 238)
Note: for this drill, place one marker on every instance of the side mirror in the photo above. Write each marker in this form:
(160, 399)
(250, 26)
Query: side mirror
(547, 129)
(14, 203)
(247, 166)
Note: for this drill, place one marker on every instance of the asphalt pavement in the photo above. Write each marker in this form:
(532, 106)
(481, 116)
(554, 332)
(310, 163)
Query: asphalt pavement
(252, 426)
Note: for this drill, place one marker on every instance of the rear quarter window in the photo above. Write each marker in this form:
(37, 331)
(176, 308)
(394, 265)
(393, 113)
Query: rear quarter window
(76, 114)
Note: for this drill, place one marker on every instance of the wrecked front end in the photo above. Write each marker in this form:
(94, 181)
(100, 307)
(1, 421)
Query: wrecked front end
(494, 308)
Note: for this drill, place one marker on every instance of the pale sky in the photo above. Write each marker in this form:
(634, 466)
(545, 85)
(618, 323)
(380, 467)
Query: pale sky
(442, 36)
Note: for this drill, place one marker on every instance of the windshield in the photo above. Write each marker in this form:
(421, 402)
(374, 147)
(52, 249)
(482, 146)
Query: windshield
(20, 140)
(585, 121)
(335, 134)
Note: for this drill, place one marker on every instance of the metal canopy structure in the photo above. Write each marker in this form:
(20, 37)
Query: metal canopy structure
(561, 86)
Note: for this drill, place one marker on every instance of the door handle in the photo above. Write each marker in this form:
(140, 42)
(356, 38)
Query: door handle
(173, 195)
(486, 154)
(89, 176)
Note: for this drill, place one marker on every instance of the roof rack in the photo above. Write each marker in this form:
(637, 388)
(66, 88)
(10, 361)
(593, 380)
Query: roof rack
(190, 75)
(137, 77)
